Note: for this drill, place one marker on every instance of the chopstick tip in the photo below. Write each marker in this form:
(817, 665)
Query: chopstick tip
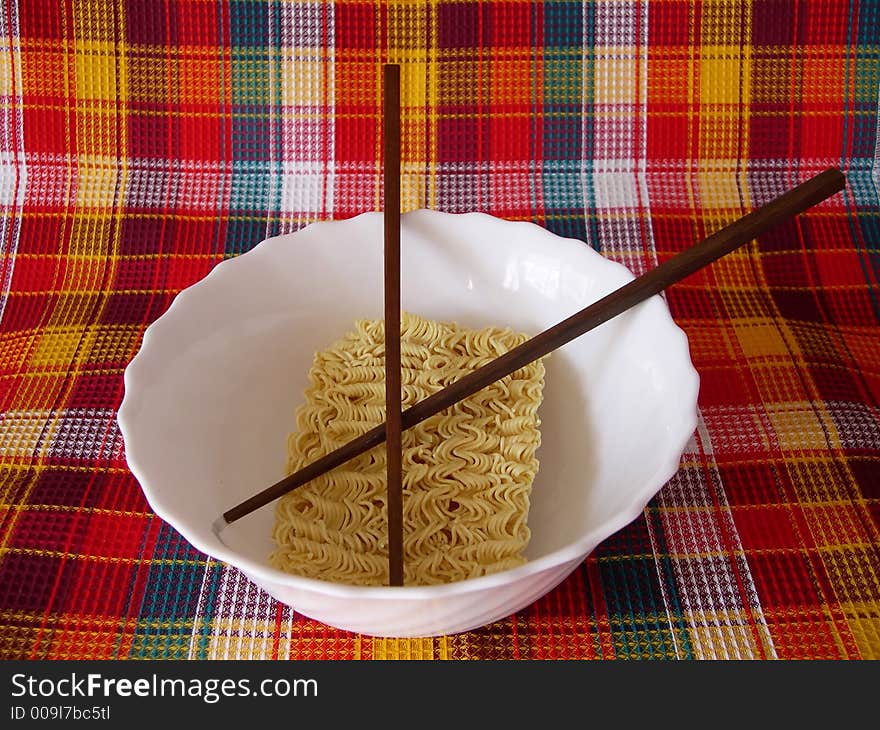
(218, 525)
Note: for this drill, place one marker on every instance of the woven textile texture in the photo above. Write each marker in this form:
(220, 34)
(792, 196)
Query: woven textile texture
(141, 143)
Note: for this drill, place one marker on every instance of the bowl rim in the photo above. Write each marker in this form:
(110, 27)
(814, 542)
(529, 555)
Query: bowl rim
(576, 550)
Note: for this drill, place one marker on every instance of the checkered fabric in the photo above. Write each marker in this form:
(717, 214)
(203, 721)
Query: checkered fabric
(143, 142)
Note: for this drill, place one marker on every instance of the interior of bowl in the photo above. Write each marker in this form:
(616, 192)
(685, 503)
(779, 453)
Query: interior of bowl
(211, 397)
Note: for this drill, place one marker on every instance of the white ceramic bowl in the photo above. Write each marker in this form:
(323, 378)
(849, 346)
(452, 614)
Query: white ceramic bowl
(211, 395)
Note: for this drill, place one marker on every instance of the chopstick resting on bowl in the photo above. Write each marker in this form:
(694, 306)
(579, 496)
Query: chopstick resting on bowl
(683, 264)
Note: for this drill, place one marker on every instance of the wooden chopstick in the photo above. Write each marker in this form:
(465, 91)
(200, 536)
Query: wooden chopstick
(683, 264)
(391, 121)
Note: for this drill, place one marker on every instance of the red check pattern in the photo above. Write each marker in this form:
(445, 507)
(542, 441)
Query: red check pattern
(143, 142)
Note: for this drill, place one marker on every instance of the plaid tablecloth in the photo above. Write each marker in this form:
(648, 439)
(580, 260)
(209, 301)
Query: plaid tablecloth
(143, 142)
